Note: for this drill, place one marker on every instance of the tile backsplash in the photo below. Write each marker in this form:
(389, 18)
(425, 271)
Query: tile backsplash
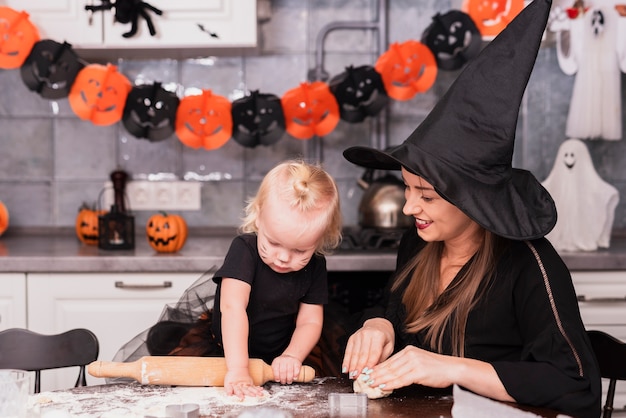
(52, 161)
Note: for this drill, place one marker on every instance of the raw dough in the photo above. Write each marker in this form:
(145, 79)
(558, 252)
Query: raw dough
(359, 386)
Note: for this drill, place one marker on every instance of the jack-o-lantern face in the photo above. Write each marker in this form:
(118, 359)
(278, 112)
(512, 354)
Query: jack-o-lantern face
(492, 16)
(166, 233)
(87, 224)
(150, 112)
(453, 38)
(51, 69)
(204, 120)
(359, 92)
(99, 94)
(407, 69)
(17, 37)
(258, 119)
(310, 109)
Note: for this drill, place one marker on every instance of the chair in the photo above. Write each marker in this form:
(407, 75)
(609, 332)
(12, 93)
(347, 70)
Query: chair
(28, 350)
(611, 355)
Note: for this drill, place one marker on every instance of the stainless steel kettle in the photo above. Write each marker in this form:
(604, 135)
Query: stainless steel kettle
(382, 202)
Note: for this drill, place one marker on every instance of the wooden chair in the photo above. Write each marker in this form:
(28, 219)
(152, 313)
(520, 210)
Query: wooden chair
(28, 350)
(611, 355)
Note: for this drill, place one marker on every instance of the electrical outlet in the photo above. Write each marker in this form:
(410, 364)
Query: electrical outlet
(158, 195)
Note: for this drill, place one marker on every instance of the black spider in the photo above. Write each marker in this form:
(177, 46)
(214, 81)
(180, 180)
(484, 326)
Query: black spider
(128, 11)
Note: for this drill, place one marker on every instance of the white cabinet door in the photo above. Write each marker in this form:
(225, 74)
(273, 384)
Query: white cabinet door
(190, 23)
(183, 24)
(62, 20)
(116, 307)
(602, 301)
(12, 300)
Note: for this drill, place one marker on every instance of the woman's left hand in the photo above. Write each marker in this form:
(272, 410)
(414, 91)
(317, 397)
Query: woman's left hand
(413, 365)
(286, 369)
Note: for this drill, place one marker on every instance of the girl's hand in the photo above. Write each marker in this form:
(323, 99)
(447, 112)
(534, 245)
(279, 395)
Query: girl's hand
(286, 368)
(368, 346)
(238, 382)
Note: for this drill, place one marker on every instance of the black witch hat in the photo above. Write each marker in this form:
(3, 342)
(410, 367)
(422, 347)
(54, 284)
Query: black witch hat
(464, 148)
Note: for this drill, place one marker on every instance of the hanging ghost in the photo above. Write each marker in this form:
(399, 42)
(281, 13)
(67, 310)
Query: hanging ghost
(585, 203)
(596, 54)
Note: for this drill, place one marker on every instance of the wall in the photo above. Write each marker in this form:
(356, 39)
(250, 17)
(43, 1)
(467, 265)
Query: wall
(52, 161)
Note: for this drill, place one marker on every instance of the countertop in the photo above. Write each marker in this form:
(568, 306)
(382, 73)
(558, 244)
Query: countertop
(43, 251)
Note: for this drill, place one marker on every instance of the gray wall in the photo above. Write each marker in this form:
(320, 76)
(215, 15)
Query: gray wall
(52, 161)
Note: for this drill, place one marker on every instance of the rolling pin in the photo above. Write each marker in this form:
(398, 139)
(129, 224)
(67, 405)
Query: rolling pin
(186, 371)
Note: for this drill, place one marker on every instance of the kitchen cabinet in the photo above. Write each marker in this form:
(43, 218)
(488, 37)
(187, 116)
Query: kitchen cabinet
(115, 306)
(12, 300)
(602, 301)
(183, 24)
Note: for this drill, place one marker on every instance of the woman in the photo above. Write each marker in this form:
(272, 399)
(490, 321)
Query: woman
(480, 299)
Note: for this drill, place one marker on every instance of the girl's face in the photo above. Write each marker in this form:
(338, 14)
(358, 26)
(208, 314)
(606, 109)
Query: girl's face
(285, 243)
(436, 219)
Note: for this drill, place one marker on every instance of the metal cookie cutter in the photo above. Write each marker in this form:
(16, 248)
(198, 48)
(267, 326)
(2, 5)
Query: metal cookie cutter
(187, 410)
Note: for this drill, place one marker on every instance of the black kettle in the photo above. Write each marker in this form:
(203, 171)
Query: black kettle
(382, 202)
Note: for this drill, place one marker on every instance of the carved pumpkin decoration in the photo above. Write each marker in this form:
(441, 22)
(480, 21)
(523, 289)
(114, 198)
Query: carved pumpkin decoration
(359, 92)
(4, 218)
(99, 94)
(166, 233)
(491, 16)
(51, 69)
(407, 68)
(87, 224)
(17, 37)
(310, 109)
(453, 38)
(204, 120)
(258, 119)
(150, 112)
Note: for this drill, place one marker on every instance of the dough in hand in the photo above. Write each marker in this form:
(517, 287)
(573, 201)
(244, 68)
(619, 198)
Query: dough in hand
(359, 386)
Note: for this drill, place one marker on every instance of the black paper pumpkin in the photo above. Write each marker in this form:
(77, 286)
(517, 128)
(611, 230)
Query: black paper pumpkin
(51, 69)
(150, 112)
(453, 38)
(360, 92)
(258, 119)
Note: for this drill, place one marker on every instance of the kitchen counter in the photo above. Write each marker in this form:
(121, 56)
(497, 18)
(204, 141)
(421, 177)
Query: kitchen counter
(284, 401)
(42, 251)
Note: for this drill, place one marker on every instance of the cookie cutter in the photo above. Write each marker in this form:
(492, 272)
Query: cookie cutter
(186, 410)
(347, 404)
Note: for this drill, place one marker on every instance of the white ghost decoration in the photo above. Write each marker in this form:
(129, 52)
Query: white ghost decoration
(585, 203)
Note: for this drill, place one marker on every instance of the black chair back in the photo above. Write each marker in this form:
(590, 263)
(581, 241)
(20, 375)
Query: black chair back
(611, 355)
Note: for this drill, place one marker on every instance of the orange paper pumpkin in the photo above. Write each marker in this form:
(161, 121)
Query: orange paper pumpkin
(99, 94)
(310, 109)
(17, 37)
(4, 218)
(407, 68)
(204, 120)
(491, 16)
(166, 233)
(87, 224)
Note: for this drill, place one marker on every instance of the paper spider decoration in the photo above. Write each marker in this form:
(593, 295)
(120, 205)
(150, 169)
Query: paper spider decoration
(129, 11)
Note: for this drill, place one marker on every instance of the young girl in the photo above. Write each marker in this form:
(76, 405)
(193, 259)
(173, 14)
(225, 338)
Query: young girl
(272, 286)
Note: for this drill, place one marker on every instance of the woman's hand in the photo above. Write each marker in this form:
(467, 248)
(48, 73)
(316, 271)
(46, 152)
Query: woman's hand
(238, 382)
(286, 369)
(368, 346)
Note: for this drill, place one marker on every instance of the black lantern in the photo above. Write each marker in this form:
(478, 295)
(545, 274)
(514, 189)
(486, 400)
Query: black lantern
(116, 229)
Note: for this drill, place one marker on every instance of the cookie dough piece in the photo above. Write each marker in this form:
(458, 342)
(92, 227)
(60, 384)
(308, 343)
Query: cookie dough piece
(359, 386)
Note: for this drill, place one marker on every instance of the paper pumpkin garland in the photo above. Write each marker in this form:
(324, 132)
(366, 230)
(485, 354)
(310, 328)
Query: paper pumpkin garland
(492, 16)
(407, 68)
(204, 120)
(99, 94)
(310, 109)
(150, 112)
(51, 69)
(359, 92)
(258, 119)
(17, 37)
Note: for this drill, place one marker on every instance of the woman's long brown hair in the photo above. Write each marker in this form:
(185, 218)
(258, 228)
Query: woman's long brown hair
(428, 310)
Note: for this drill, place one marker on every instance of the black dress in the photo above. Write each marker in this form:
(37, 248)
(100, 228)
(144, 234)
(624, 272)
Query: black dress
(527, 326)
